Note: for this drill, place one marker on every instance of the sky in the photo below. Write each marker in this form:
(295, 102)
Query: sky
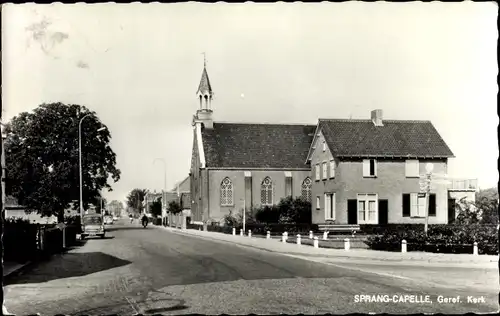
(139, 65)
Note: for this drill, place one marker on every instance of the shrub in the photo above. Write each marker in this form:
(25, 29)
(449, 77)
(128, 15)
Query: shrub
(267, 214)
(296, 210)
(440, 238)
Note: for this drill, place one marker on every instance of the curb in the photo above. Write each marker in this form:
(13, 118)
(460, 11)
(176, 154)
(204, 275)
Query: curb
(343, 256)
(19, 270)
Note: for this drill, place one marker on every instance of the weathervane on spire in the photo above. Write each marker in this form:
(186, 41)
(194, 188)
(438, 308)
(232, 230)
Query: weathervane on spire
(204, 60)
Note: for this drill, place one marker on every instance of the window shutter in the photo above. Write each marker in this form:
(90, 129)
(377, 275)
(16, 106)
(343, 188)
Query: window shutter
(326, 206)
(333, 206)
(421, 207)
(366, 168)
(318, 202)
(325, 171)
(406, 205)
(432, 205)
(414, 204)
(317, 172)
(408, 168)
(332, 169)
(373, 167)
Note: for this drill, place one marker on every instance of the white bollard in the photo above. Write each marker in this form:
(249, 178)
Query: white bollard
(298, 240)
(286, 236)
(325, 235)
(283, 238)
(249, 233)
(311, 234)
(316, 242)
(64, 237)
(347, 244)
(475, 251)
(241, 232)
(403, 246)
(234, 231)
(268, 236)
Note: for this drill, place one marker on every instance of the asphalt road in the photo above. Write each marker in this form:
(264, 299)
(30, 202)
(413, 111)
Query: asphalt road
(153, 271)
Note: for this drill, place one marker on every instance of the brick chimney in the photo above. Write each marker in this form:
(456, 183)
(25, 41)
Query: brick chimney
(377, 117)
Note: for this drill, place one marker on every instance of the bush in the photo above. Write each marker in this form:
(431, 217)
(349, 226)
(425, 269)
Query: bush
(267, 214)
(440, 238)
(296, 210)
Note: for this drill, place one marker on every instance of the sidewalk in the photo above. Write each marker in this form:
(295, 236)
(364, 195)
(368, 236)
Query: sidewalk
(12, 267)
(275, 245)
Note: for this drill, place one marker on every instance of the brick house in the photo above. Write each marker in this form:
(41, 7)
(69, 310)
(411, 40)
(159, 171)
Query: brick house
(352, 171)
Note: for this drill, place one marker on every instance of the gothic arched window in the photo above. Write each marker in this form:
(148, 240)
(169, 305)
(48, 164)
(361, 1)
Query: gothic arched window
(306, 189)
(226, 192)
(266, 192)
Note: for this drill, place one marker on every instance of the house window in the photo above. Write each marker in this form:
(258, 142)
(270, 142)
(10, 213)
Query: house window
(324, 146)
(369, 168)
(226, 192)
(412, 168)
(318, 202)
(432, 204)
(367, 209)
(266, 192)
(332, 168)
(306, 189)
(417, 205)
(329, 206)
(317, 172)
(325, 171)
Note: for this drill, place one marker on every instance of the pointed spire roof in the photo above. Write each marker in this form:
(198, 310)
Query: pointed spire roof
(205, 88)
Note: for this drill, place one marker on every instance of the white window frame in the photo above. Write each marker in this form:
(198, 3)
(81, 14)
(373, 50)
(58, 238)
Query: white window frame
(266, 203)
(417, 206)
(317, 173)
(330, 213)
(324, 170)
(306, 189)
(412, 168)
(332, 168)
(367, 198)
(366, 168)
(318, 202)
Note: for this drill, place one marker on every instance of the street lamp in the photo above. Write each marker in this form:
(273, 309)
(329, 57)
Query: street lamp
(163, 194)
(429, 167)
(80, 159)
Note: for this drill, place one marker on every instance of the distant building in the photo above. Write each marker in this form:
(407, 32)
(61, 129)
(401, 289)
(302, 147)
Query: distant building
(14, 210)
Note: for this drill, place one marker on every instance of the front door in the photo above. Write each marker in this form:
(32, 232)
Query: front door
(383, 212)
(352, 212)
(452, 210)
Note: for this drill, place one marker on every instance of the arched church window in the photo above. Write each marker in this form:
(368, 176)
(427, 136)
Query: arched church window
(306, 189)
(266, 192)
(226, 192)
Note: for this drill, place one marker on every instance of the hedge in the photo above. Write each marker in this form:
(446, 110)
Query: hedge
(261, 229)
(440, 238)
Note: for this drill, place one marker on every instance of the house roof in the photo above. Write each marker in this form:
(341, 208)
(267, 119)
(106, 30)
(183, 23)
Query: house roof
(239, 145)
(396, 138)
(184, 185)
(186, 200)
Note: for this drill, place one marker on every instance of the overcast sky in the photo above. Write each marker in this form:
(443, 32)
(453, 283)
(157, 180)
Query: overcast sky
(139, 65)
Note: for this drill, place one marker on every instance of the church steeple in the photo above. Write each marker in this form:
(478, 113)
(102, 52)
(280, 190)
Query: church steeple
(204, 93)
(205, 89)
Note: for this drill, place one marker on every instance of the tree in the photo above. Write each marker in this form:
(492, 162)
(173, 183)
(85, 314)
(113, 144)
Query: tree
(174, 207)
(487, 203)
(42, 158)
(115, 207)
(135, 199)
(297, 211)
(156, 207)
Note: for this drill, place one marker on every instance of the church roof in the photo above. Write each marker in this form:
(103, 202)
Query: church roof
(204, 88)
(396, 138)
(239, 145)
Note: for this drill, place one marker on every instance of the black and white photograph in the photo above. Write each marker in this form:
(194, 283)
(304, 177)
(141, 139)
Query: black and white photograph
(250, 158)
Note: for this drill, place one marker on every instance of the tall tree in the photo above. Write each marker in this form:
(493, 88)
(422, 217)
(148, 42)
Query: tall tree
(42, 158)
(135, 199)
(156, 207)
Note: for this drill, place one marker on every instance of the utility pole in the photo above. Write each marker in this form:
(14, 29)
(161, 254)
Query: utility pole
(428, 167)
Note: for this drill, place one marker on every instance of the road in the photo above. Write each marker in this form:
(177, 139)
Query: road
(153, 271)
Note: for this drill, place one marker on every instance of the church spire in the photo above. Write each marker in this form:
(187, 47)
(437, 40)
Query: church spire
(205, 89)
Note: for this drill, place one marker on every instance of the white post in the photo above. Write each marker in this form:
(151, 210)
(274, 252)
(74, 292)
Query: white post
(283, 238)
(241, 232)
(244, 214)
(268, 236)
(325, 235)
(475, 251)
(286, 236)
(316, 242)
(403, 246)
(249, 233)
(311, 234)
(234, 231)
(347, 244)
(298, 239)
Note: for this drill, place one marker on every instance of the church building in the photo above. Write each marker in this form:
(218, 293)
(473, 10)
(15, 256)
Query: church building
(352, 171)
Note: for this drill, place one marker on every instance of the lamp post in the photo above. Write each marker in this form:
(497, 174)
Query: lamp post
(429, 167)
(80, 160)
(163, 192)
